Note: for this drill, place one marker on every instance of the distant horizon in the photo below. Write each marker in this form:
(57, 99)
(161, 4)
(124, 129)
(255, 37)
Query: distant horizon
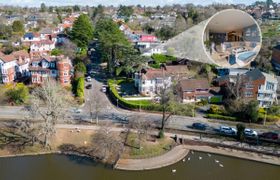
(36, 3)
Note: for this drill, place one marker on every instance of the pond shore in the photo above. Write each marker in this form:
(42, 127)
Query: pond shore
(181, 151)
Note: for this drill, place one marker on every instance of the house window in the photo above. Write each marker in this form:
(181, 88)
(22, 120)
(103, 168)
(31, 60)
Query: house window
(65, 73)
(249, 86)
(269, 86)
(248, 94)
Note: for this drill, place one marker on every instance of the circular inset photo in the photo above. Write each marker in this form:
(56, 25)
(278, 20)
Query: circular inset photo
(232, 38)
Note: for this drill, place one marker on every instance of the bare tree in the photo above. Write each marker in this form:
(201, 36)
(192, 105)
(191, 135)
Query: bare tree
(107, 144)
(49, 104)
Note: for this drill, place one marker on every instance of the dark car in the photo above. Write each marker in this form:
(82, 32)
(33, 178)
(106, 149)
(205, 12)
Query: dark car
(89, 86)
(269, 135)
(200, 126)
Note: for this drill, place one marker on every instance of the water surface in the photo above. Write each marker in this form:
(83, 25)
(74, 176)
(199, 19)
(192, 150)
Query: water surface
(199, 166)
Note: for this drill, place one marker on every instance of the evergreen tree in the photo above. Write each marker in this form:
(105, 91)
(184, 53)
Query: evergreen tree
(82, 31)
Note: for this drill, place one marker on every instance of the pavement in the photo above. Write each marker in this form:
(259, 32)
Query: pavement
(169, 158)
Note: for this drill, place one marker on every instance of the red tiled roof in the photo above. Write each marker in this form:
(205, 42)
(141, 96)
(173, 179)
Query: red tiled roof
(169, 71)
(7, 58)
(21, 53)
(192, 84)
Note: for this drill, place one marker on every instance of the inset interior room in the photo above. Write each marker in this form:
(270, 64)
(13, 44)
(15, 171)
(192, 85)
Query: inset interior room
(232, 38)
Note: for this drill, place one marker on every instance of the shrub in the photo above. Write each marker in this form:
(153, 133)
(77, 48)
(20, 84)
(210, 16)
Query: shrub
(17, 94)
(215, 109)
(218, 116)
(161, 134)
(240, 132)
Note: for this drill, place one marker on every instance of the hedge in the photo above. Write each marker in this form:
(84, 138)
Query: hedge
(114, 95)
(218, 116)
(80, 89)
(269, 118)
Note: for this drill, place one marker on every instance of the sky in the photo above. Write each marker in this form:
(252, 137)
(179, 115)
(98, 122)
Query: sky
(118, 2)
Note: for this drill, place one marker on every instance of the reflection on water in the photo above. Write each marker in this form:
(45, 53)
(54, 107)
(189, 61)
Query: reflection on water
(195, 166)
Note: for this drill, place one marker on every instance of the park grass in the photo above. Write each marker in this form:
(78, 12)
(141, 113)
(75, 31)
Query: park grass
(148, 149)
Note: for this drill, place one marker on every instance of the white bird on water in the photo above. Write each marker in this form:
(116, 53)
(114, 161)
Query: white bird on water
(221, 165)
(189, 158)
(209, 155)
(199, 158)
(192, 152)
(216, 161)
(184, 160)
(173, 170)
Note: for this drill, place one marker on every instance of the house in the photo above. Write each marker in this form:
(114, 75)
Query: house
(7, 68)
(22, 66)
(42, 47)
(192, 90)
(30, 37)
(45, 67)
(14, 66)
(149, 82)
(145, 41)
(254, 85)
(260, 86)
(276, 58)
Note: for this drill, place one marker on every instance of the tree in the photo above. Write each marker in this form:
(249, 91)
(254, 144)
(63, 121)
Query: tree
(56, 52)
(18, 93)
(76, 8)
(80, 67)
(240, 132)
(18, 27)
(49, 104)
(165, 33)
(43, 7)
(82, 31)
(251, 111)
(107, 144)
(125, 11)
(130, 62)
(111, 41)
(68, 48)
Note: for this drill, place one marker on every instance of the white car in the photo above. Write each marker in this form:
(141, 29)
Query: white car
(228, 130)
(104, 89)
(88, 79)
(250, 132)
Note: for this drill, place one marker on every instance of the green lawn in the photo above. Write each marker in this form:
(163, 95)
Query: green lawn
(148, 149)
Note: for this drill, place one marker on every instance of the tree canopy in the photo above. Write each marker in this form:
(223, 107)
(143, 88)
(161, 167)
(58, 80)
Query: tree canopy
(111, 41)
(82, 31)
(125, 11)
(18, 27)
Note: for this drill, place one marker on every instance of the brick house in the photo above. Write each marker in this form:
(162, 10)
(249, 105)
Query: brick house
(276, 57)
(46, 67)
(192, 90)
(254, 85)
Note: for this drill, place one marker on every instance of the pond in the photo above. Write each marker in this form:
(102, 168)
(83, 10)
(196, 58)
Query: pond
(197, 166)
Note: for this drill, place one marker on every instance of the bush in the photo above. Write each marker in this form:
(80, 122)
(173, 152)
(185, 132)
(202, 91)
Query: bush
(240, 132)
(56, 52)
(17, 94)
(161, 134)
(215, 109)
(218, 116)
(269, 118)
(78, 85)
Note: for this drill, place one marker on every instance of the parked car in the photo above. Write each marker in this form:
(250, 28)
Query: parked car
(200, 126)
(77, 110)
(89, 86)
(269, 135)
(104, 89)
(250, 132)
(88, 79)
(228, 130)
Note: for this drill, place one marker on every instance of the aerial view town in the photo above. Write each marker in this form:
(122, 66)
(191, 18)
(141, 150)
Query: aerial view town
(124, 89)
